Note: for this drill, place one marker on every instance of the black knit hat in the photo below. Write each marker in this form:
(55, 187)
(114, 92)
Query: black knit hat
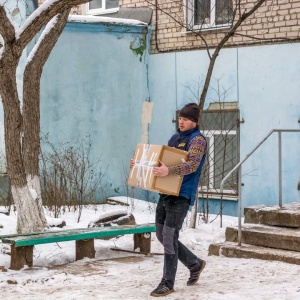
(190, 111)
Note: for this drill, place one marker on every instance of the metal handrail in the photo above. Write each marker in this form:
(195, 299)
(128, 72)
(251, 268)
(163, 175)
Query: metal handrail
(239, 166)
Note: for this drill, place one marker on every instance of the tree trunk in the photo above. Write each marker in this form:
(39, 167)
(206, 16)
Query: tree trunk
(22, 162)
(193, 219)
(28, 216)
(31, 105)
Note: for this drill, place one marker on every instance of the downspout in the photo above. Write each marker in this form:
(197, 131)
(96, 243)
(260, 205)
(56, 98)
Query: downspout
(156, 24)
(176, 92)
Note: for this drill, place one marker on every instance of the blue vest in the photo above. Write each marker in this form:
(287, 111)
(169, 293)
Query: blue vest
(189, 187)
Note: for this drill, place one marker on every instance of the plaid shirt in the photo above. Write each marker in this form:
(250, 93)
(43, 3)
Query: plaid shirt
(196, 151)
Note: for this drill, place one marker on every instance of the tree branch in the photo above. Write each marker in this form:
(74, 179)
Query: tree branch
(182, 24)
(31, 98)
(39, 18)
(31, 89)
(228, 35)
(7, 30)
(50, 35)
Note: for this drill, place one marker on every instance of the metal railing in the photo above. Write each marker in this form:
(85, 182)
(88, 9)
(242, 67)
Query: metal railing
(239, 166)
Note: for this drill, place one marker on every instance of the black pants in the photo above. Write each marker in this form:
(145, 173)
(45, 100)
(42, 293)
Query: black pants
(170, 214)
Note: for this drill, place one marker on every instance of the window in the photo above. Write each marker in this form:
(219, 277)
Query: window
(221, 131)
(208, 14)
(97, 7)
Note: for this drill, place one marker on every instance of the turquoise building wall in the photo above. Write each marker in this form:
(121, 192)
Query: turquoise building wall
(265, 81)
(95, 84)
(102, 88)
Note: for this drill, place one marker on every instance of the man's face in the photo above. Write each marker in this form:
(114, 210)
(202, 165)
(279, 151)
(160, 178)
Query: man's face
(186, 124)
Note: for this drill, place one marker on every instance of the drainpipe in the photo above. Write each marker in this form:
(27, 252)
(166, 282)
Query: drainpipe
(156, 23)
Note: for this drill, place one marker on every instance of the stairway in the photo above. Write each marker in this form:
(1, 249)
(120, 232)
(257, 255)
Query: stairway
(268, 232)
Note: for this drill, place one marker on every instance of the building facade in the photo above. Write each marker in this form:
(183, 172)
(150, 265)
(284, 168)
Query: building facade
(128, 81)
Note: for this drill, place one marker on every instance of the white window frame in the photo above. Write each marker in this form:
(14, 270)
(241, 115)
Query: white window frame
(190, 6)
(101, 11)
(210, 156)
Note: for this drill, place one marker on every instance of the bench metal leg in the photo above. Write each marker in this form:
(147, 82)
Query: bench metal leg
(143, 242)
(85, 248)
(21, 256)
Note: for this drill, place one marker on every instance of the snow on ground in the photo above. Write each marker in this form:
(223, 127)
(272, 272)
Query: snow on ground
(122, 275)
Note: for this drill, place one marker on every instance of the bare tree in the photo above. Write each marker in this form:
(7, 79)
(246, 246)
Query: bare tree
(22, 124)
(236, 13)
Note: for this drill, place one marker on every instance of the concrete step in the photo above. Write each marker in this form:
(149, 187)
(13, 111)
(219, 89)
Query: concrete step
(286, 216)
(266, 236)
(230, 249)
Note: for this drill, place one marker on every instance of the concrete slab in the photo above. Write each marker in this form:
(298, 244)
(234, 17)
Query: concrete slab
(286, 216)
(267, 236)
(230, 249)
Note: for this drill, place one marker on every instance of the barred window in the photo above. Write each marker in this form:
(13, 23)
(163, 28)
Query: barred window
(208, 14)
(221, 131)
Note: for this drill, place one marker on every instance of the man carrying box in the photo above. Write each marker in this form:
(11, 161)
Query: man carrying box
(172, 210)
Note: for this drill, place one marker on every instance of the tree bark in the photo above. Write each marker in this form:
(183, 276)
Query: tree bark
(22, 162)
(194, 211)
(12, 120)
(27, 210)
(31, 104)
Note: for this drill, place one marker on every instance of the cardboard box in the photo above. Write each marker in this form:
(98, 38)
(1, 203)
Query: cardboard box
(146, 157)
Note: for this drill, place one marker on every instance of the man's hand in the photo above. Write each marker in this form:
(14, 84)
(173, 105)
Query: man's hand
(161, 170)
(131, 163)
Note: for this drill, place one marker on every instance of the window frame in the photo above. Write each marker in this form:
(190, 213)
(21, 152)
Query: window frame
(101, 11)
(231, 127)
(211, 189)
(190, 16)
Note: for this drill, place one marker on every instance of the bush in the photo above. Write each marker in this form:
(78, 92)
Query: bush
(69, 178)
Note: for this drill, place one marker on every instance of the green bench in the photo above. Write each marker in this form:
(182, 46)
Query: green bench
(22, 244)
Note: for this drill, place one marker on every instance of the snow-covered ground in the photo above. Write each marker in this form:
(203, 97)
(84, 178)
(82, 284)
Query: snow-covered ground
(121, 275)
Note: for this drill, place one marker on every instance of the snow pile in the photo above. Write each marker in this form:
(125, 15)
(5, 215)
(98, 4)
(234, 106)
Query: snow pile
(125, 275)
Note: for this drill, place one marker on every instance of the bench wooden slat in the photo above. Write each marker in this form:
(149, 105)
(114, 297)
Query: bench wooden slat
(75, 234)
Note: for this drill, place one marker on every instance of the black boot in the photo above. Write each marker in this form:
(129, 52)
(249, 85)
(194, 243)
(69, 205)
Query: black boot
(192, 262)
(195, 273)
(167, 283)
(162, 290)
